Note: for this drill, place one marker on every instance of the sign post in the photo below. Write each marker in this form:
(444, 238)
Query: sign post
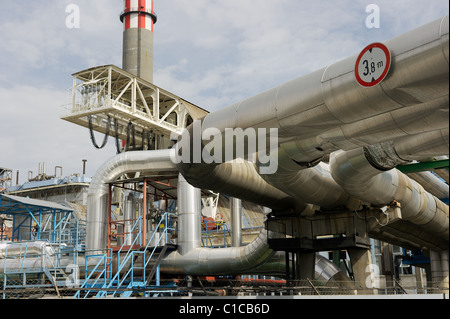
(373, 65)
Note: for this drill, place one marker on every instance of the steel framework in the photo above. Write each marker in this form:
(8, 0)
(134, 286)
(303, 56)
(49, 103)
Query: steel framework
(114, 102)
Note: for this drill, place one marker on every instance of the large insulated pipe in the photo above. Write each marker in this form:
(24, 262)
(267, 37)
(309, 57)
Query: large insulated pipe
(189, 213)
(129, 216)
(313, 185)
(138, 18)
(432, 184)
(439, 264)
(240, 180)
(443, 172)
(423, 145)
(363, 176)
(321, 112)
(219, 261)
(190, 258)
(97, 202)
(36, 255)
(445, 268)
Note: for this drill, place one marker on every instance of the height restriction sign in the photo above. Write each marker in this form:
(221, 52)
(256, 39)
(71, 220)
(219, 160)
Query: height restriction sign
(373, 64)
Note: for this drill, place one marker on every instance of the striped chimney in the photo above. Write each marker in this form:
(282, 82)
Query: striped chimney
(138, 19)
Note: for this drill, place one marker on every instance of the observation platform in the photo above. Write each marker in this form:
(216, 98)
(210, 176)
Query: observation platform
(114, 102)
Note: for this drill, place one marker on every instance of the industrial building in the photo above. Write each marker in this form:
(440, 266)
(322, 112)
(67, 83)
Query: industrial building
(357, 204)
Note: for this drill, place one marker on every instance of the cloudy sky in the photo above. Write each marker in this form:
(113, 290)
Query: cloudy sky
(210, 52)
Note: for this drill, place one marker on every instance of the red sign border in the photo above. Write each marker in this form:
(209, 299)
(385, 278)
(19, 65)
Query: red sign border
(385, 72)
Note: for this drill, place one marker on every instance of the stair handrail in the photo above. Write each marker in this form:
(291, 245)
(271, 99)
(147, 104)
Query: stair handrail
(164, 233)
(130, 253)
(103, 259)
(146, 260)
(136, 223)
(126, 259)
(120, 265)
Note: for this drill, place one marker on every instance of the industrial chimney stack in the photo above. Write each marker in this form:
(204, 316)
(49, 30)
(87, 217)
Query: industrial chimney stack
(138, 19)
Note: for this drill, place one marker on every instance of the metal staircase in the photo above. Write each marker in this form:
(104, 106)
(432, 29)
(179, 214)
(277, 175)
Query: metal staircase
(131, 274)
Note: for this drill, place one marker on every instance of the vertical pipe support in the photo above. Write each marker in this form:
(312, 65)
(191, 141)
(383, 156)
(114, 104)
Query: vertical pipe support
(236, 222)
(189, 213)
(436, 269)
(108, 251)
(144, 213)
(445, 270)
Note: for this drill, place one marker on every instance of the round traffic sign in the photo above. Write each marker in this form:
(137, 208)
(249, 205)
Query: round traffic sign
(373, 64)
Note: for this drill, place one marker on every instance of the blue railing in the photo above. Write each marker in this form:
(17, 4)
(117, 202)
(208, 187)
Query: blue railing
(221, 227)
(97, 276)
(128, 262)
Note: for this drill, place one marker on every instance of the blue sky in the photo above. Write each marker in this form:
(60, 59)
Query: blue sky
(210, 52)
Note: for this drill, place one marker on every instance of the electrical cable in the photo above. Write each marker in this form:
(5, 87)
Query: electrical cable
(116, 128)
(376, 219)
(91, 132)
(145, 136)
(131, 134)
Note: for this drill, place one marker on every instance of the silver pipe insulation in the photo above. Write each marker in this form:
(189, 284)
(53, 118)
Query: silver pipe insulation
(239, 180)
(424, 145)
(443, 172)
(220, 261)
(358, 176)
(431, 183)
(236, 222)
(97, 202)
(328, 272)
(192, 259)
(313, 185)
(129, 215)
(189, 216)
(322, 112)
(440, 269)
(189, 258)
(257, 257)
(37, 254)
(40, 262)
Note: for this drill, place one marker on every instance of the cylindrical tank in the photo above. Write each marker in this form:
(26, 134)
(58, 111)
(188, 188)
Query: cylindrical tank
(138, 19)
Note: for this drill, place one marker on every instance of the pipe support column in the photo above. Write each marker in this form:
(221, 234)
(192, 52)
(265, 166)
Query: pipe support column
(189, 211)
(236, 222)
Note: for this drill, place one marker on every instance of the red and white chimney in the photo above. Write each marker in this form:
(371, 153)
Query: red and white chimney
(138, 18)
